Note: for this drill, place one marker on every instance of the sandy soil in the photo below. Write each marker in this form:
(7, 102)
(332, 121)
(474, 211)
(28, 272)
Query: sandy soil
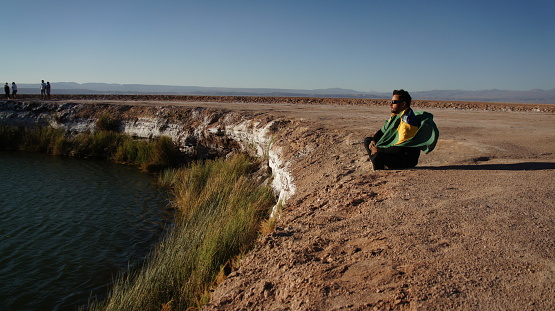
(471, 228)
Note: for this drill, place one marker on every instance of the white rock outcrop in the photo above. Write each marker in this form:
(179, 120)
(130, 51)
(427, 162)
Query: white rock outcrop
(207, 128)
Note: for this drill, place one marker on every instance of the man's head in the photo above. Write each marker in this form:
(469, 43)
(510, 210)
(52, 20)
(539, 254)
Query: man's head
(400, 101)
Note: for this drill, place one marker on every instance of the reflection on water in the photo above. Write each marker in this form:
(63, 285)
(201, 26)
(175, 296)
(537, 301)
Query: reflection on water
(68, 227)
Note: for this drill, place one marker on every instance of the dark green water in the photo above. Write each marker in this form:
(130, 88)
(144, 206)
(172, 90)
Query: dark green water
(68, 227)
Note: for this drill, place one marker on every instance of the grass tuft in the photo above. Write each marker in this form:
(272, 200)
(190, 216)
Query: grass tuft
(107, 123)
(151, 155)
(219, 213)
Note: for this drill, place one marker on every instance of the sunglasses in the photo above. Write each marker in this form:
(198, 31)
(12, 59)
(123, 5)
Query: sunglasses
(397, 102)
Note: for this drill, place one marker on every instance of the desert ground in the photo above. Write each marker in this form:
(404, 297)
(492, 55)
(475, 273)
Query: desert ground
(471, 228)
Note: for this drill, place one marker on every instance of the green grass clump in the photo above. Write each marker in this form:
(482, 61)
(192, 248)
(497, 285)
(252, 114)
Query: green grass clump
(107, 123)
(220, 209)
(35, 140)
(152, 155)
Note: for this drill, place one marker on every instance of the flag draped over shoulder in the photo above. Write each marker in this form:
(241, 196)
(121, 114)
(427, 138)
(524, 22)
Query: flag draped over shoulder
(425, 137)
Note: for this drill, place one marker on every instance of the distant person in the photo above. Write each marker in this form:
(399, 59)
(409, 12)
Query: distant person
(7, 90)
(48, 89)
(43, 90)
(398, 143)
(14, 90)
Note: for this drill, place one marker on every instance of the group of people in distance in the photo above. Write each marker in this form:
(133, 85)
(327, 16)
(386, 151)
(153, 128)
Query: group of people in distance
(7, 90)
(44, 90)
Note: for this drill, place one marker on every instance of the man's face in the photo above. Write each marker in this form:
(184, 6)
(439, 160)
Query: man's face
(396, 105)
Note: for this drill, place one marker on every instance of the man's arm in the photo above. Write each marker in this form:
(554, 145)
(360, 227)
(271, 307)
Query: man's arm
(377, 136)
(375, 139)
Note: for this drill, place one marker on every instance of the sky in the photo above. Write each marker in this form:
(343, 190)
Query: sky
(363, 45)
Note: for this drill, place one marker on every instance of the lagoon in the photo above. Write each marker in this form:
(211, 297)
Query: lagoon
(69, 227)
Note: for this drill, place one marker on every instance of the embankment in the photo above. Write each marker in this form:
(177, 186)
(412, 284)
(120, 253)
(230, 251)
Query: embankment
(199, 132)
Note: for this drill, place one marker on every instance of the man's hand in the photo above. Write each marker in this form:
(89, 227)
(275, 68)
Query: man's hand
(373, 147)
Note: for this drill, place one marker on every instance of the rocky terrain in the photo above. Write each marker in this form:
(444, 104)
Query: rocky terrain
(296, 100)
(471, 228)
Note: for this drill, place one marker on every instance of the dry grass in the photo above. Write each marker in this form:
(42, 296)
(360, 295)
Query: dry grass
(152, 155)
(220, 209)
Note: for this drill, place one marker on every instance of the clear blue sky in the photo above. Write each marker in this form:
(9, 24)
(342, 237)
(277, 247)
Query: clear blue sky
(363, 45)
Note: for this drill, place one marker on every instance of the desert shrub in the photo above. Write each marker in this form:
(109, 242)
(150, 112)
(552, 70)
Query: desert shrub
(107, 122)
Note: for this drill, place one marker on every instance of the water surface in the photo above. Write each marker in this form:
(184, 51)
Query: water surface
(69, 226)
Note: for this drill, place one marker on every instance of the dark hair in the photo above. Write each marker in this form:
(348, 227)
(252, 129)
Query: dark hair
(403, 96)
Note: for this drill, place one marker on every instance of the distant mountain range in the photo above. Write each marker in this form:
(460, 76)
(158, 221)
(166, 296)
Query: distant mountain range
(493, 95)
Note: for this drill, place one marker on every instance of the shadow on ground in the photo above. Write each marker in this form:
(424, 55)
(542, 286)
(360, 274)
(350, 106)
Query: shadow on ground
(524, 166)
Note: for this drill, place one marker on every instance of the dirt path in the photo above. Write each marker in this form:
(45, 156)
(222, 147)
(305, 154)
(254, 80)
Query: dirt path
(472, 228)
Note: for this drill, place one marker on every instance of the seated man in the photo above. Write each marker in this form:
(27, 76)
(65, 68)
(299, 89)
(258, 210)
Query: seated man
(398, 143)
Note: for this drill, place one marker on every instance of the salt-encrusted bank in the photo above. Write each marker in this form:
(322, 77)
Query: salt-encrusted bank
(256, 137)
(198, 131)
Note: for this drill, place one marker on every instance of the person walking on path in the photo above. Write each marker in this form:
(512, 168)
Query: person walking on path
(48, 90)
(14, 90)
(7, 90)
(43, 90)
(398, 143)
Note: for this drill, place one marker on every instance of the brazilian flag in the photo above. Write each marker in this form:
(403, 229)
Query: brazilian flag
(425, 137)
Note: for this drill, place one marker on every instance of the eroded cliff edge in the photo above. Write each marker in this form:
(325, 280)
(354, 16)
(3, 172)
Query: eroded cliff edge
(200, 132)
